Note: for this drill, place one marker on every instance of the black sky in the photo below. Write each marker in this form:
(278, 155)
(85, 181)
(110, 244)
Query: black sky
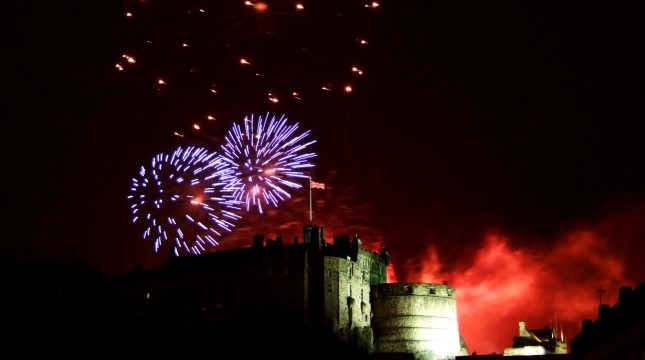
(524, 116)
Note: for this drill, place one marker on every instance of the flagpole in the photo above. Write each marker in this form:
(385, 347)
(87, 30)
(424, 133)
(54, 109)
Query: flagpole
(310, 208)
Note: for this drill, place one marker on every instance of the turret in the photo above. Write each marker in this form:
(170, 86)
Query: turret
(314, 235)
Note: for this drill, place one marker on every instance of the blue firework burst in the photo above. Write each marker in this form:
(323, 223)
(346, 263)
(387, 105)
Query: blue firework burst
(267, 158)
(181, 198)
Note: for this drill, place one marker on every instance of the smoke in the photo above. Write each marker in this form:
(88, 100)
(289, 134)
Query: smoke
(552, 283)
(335, 209)
(504, 279)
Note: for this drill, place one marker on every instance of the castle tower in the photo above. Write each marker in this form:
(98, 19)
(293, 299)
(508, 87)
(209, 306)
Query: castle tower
(417, 318)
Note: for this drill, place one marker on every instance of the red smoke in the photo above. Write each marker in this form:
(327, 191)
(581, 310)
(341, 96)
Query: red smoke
(505, 279)
(502, 283)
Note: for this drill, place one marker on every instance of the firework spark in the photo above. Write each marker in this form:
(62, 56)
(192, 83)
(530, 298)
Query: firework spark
(194, 46)
(265, 156)
(181, 199)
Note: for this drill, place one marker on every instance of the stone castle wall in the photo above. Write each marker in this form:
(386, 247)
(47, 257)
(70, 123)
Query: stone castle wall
(339, 289)
(418, 318)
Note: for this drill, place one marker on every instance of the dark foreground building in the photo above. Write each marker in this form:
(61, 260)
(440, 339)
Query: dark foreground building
(274, 298)
(302, 299)
(618, 332)
(305, 297)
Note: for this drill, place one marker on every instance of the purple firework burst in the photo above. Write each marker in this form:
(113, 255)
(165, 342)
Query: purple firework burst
(266, 156)
(181, 198)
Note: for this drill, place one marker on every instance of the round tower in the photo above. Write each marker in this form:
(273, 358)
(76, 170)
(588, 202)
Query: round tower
(417, 318)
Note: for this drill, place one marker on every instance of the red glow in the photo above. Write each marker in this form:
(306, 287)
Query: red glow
(503, 284)
(261, 6)
(392, 276)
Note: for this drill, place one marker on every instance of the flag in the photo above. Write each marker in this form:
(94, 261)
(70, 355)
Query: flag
(317, 185)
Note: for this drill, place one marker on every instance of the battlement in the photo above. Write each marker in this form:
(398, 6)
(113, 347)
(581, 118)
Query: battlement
(414, 288)
(338, 288)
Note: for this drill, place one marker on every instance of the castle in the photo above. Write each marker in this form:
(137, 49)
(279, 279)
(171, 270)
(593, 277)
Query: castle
(325, 295)
(306, 299)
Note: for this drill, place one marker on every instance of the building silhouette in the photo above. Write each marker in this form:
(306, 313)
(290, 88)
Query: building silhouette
(537, 342)
(298, 296)
(618, 332)
(305, 298)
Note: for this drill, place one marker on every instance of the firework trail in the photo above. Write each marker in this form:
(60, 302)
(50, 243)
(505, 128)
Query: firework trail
(218, 58)
(181, 199)
(265, 156)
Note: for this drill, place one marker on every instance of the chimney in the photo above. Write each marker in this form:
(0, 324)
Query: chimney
(624, 293)
(272, 244)
(603, 311)
(258, 242)
(356, 245)
(314, 235)
(385, 255)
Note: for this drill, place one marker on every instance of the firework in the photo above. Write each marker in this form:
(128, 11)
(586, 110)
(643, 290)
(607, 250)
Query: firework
(337, 209)
(200, 56)
(265, 155)
(182, 201)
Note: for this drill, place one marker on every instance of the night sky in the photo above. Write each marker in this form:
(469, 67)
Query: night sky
(497, 145)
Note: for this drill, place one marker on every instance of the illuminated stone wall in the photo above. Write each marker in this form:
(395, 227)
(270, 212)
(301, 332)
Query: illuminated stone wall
(347, 295)
(418, 318)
